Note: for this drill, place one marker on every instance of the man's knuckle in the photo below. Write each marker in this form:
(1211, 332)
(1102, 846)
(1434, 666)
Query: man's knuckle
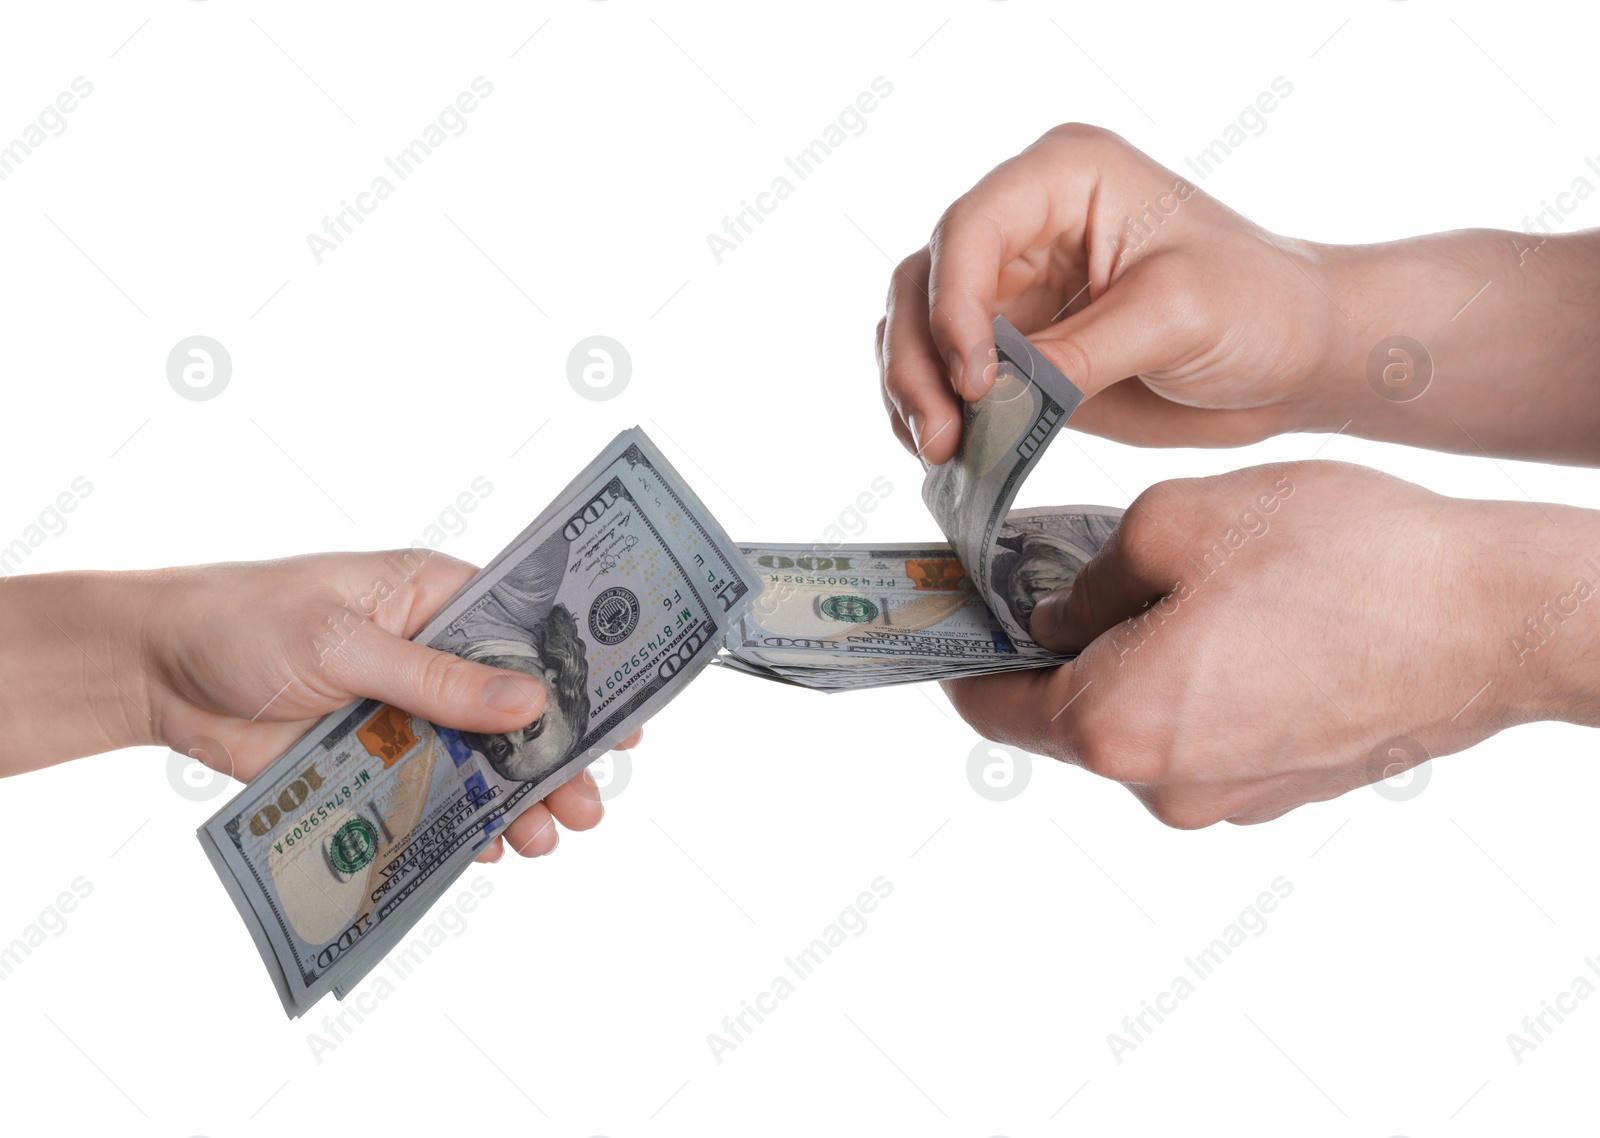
(1081, 133)
(952, 221)
(903, 284)
(1152, 523)
(1181, 812)
(909, 273)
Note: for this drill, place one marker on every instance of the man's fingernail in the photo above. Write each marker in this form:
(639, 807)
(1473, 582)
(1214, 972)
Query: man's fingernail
(1048, 622)
(914, 424)
(513, 694)
(956, 370)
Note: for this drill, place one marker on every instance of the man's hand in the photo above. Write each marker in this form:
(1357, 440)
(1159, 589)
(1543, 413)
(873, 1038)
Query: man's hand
(1283, 634)
(1188, 325)
(1115, 267)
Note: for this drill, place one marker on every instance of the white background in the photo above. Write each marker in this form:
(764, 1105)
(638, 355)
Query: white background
(369, 390)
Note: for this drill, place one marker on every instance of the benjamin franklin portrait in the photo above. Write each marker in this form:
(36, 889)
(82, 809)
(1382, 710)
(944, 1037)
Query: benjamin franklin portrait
(518, 626)
(1029, 565)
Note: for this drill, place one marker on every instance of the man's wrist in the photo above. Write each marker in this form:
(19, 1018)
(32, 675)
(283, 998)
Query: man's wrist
(1476, 341)
(1549, 651)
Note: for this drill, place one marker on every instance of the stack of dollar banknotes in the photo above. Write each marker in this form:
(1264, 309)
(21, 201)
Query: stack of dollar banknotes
(616, 596)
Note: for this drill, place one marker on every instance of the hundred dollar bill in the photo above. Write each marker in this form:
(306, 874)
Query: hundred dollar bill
(1002, 436)
(846, 600)
(855, 616)
(614, 598)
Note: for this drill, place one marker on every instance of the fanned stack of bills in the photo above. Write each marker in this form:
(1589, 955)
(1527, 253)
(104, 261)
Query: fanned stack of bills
(614, 598)
(838, 617)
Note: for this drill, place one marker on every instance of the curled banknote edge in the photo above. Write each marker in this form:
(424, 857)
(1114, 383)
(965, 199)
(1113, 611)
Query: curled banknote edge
(841, 617)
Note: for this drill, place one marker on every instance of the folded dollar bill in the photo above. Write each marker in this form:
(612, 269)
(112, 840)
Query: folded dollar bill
(614, 598)
(839, 617)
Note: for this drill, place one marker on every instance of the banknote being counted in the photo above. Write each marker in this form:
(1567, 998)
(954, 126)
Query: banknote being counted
(869, 616)
(845, 616)
(614, 598)
(1002, 437)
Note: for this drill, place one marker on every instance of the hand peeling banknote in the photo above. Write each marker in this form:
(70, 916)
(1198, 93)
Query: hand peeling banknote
(841, 616)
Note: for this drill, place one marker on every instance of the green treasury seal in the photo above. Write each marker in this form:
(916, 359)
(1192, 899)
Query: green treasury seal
(352, 847)
(851, 609)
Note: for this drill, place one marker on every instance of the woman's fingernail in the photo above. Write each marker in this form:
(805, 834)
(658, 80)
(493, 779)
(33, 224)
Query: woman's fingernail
(513, 694)
(914, 424)
(1048, 622)
(496, 852)
(957, 372)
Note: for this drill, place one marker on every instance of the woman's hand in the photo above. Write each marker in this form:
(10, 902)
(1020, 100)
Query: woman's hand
(253, 655)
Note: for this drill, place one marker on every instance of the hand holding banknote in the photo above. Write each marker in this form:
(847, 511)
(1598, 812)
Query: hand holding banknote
(837, 617)
(233, 663)
(251, 656)
(609, 602)
(1186, 323)
(1283, 634)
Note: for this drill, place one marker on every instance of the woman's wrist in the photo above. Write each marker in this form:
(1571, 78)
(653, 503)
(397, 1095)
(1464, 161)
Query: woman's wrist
(74, 676)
